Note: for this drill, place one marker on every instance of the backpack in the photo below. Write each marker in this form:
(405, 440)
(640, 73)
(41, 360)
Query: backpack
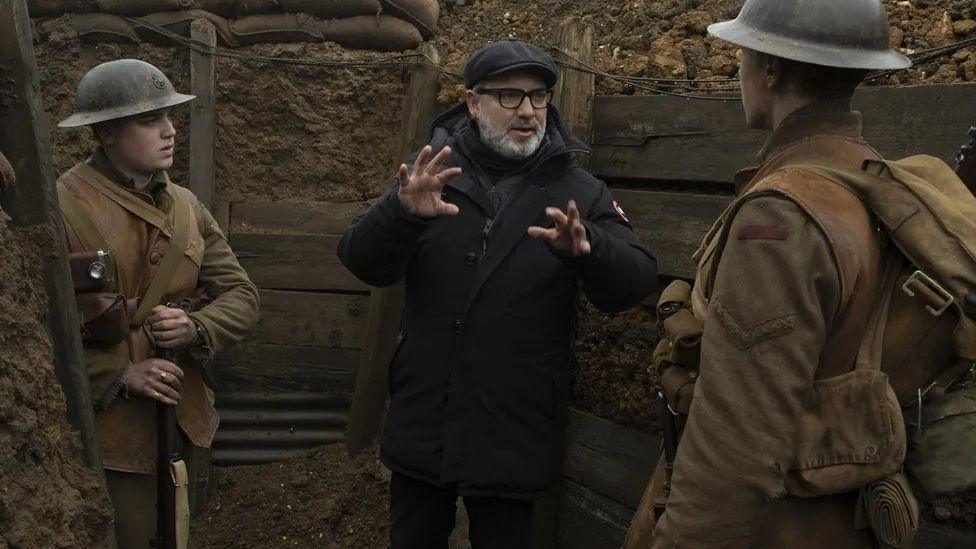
(930, 331)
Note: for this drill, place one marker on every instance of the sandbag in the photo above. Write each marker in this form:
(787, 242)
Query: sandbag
(103, 27)
(179, 23)
(276, 27)
(383, 33)
(332, 9)
(237, 8)
(422, 13)
(56, 8)
(137, 8)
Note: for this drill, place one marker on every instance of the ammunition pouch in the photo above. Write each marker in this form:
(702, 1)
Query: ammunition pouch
(676, 357)
(105, 317)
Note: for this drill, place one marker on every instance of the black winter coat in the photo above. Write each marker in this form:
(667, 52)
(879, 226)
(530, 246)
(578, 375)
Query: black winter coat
(480, 383)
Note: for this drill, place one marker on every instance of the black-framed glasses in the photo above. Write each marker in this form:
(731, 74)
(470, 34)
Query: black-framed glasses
(512, 98)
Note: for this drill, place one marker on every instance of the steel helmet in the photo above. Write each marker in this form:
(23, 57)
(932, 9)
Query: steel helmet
(849, 34)
(121, 88)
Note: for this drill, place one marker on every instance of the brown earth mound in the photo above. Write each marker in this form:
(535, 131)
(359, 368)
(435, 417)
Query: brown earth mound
(668, 39)
(324, 500)
(48, 497)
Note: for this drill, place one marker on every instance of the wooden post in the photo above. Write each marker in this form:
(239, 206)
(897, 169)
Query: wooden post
(420, 107)
(33, 201)
(203, 112)
(575, 90)
(574, 95)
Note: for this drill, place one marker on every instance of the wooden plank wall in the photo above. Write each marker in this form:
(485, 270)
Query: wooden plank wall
(672, 138)
(647, 146)
(289, 386)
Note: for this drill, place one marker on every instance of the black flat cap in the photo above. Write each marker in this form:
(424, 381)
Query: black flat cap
(507, 56)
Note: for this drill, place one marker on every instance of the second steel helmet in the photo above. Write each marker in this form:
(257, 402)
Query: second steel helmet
(121, 88)
(850, 34)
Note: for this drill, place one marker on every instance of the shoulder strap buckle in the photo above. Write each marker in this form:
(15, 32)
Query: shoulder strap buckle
(921, 281)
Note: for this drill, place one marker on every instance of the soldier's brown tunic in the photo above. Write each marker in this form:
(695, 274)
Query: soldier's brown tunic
(784, 299)
(137, 227)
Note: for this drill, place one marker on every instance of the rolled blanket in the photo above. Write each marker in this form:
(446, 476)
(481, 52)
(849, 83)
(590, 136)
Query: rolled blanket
(888, 506)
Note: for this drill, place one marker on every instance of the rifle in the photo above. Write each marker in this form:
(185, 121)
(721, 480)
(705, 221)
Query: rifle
(167, 454)
(966, 162)
(172, 506)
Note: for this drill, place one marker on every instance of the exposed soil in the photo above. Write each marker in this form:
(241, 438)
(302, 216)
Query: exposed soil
(325, 500)
(668, 39)
(284, 132)
(48, 497)
(306, 133)
(613, 357)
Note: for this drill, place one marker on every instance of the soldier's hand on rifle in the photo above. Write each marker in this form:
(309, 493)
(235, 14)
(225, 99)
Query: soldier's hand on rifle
(569, 234)
(171, 328)
(421, 191)
(156, 379)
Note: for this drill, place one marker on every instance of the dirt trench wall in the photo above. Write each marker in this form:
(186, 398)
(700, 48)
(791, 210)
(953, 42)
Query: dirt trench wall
(284, 132)
(49, 498)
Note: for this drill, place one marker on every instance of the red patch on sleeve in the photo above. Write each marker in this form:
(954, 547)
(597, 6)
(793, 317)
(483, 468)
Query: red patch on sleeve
(620, 211)
(763, 232)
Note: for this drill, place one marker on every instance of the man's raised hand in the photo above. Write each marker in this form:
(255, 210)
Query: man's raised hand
(421, 191)
(569, 234)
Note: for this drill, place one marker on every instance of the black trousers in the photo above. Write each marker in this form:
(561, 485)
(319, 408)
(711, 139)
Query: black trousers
(422, 517)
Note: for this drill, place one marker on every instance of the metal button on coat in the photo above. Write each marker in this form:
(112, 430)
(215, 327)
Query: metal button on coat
(154, 258)
(470, 258)
(458, 324)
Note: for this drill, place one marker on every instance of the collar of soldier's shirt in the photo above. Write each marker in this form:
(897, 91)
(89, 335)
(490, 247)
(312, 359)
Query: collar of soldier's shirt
(824, 118)
(100, 161)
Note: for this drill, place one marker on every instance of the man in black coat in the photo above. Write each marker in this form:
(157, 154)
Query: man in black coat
(475, 226)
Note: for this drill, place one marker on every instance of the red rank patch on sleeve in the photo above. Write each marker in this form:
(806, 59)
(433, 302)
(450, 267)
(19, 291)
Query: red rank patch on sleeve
(620, 211)
(763, 232)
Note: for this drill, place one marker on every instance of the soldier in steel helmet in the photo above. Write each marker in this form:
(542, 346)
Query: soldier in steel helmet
(787, 280)
(166, 275)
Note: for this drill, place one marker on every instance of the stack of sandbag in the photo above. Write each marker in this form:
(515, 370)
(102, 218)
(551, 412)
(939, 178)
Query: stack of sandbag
(380, 25)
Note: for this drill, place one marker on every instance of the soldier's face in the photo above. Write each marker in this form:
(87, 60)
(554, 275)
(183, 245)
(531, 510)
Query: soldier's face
(756, 92)
(143, 143)
(512, 132)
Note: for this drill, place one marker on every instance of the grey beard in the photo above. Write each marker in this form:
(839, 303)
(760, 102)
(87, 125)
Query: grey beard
(499, 142)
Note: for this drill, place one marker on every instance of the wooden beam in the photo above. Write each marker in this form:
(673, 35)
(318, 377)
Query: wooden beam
(589, 520)
(575, 90)
(311, 319)
(294, 217)
(33, 202)
(420, 107)
(267, 367)
(672, 225)
(203, 111)
(611, 459)
(672, 138)
(294, 262)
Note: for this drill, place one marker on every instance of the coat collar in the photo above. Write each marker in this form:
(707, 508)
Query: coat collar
(820, 119)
